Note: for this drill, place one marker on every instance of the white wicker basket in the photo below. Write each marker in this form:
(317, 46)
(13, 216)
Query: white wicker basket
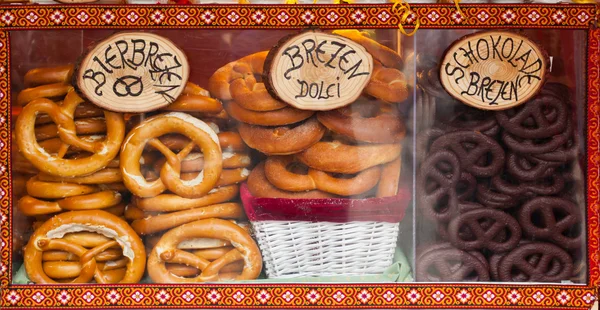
(298, 249)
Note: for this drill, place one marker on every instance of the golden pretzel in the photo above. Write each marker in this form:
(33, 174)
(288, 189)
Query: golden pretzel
(118, 233)
(48, 75)
(83, 126)
(56, 90)
(104, 176)
(107, 255)
(195, 99)
(84, 110)
(152, 224)
(170, 202)
(52, 190)
(31, 206)
(102, 151)
(195, 161)
(166, 251)
(148, 132)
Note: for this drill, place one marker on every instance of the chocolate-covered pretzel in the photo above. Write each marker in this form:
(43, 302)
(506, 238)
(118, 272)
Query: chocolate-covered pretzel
(467, 234)
(478, 154)
(542, 117)
(476, 120)
(424, 140)
(564, 153)
(449, 264)
(538, 219)
(501, 235)
(437, 184)
(551, 264)
(490, 197)
(547, 186)
(537, 146)
(528, 168)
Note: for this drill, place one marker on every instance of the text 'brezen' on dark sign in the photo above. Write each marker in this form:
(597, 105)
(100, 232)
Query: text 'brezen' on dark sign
(133, 72)
(494, 70)
(317, 71)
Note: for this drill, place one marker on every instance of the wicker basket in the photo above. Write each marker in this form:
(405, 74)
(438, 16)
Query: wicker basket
(325, 237)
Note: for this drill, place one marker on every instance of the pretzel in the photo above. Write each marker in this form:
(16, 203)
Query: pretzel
(338, 157)
(152, 224)
(259, 186)
(65, 270)
(48, 91)
(282, 140)
(57, 255)
(84, 110)
(51, 190)
(102, 151)
(147, 133)
(228, 140)
(277, 173)
(104, 176)
(195, 99)
(54, 145)
(166, 252)
(31, 206)
(387, 84)
(252, 95)
(132, 212)
(185, 271)
(365, 121)
(228, 176)
(84, 126)
(390, 179)
(48, 237)
(219, 82)
(285, 116)
(381, 53)
(48, 75)
(195, 161)
(170, 202)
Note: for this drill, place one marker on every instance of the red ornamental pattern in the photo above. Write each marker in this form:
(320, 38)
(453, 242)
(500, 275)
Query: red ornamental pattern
(407, 295)
(298, 16)
(338, 296)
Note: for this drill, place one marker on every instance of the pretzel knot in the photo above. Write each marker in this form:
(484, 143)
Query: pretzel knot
(103, 151)
(148, 133)
(49, 238)
(166, 251)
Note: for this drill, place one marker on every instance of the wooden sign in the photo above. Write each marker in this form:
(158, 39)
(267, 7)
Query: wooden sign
(317, 71)
(494, 70)
(133, 72)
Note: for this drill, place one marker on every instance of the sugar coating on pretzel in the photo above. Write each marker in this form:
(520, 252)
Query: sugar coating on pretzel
(49, 237)
(166, 252)
(148, 132)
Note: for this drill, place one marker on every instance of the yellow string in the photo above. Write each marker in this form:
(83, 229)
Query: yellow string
(456, 2)
(291, 1)
(402, 11)
(343, 1)
(243, 1)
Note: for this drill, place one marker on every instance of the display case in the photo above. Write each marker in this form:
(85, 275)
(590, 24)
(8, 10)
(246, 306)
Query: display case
(287, 156)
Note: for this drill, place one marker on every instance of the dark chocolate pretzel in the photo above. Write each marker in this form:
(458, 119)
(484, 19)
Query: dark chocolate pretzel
(548, 186)
(436, 185)
(564, 231)
(490, 197)
(528, 168)
(448, 264)
(478, 154)
(552, 264)
(476, 120)
(421, 250)
(537, 146)
(424, 140)
(501, 235)
(565, 153)
(542, 117)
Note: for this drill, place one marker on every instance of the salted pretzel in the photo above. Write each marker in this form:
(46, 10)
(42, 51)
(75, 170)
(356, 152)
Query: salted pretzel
(166, 251)
(31, 206)
(277, 172)
(195, 99)
(102, 151)
(381, 53)
(152, 224)
(116, 232)
(387, 84)
(219, 82)
(338, 157)
(83, 126)
(170, 202)
(48, 75)
(148, 132)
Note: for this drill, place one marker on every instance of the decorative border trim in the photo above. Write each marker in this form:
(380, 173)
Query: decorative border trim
(406, 295)
(567, 16)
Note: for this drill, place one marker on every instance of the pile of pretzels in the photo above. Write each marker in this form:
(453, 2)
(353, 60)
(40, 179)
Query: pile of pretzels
(98, 180)
(353, 151)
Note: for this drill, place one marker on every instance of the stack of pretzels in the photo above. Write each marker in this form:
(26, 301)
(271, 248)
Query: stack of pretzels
(353, 151)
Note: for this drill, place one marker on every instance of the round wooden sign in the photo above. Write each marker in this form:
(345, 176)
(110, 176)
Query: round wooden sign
(494, 70)
(133, 72)
(317, 71)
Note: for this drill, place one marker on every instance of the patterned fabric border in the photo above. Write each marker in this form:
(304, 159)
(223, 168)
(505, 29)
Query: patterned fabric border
(5, 188)
(593, 142)
(299, 16)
